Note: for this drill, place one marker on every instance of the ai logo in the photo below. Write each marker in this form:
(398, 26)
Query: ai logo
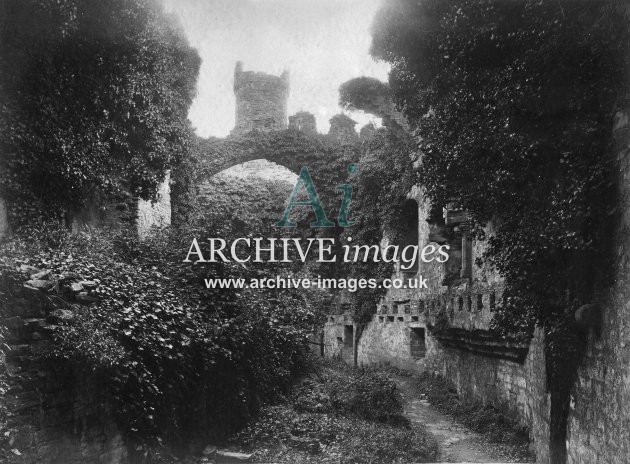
(305, 181)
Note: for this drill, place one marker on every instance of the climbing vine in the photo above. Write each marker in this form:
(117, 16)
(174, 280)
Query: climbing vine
(383, 182)
(326, 160)
(511, 102)
(95, 97)
(292, 149)
(380, 186)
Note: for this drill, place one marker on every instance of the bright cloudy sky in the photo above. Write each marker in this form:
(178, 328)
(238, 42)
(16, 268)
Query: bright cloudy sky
(322, 43)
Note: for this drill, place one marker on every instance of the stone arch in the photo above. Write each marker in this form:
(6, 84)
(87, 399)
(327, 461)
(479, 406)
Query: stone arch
(226, 153)
(261, 168)
(215, 166)
(327, 162)
(290, 149)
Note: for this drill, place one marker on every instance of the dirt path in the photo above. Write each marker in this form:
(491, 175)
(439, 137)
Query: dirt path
(457, 443)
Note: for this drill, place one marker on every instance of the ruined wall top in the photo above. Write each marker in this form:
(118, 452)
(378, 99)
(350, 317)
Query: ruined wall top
(342, 129)
(303, 121)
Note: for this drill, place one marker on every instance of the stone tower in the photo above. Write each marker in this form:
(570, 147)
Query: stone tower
(261, 100)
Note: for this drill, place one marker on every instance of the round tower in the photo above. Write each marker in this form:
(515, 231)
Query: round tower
(261, 100)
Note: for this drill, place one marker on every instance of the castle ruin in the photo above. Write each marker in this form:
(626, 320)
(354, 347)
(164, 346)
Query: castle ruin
(303, 121)
(261, 100)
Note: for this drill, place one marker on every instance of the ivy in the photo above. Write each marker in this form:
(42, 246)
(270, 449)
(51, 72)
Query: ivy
(384, 178)
(95, 102)
(512, 111)
(511, 104)
(383, 182)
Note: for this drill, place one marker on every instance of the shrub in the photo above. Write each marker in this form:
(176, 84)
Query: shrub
(369, 395)
(180, 363)
(336, 416)
(362, 393)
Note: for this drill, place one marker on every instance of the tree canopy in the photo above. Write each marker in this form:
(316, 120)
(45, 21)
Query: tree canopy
(95, 95)
(511, 104)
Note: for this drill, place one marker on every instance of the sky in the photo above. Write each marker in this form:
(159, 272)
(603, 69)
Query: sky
(322, 43)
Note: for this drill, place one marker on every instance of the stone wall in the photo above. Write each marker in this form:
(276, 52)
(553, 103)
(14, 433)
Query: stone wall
(304, 122)
(4, 220)
(453, 318)
(338, 341)
(342, 129)
(155, 213)
(599, 418)
(54, 416)
(519, 388)
(261, 100)
(506, 372)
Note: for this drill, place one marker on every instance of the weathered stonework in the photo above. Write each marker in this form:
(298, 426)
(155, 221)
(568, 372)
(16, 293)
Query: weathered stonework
(483, 367)
(155, 213)
(303, 121)
(261, 100)
(4, 220)
(342, 129)
(501, 371)
(517, 387)
(55, 416)
(339, 338)
(599, 418)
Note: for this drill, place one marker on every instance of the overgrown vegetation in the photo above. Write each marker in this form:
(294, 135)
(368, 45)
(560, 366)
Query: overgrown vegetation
(181, 364)
(339, 414)
(496, 422)
(511, 103)
(95, 96)
(381, 186)
(364, 94)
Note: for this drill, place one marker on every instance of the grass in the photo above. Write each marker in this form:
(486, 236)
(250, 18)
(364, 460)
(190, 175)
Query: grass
(338, 415)
(496, 423)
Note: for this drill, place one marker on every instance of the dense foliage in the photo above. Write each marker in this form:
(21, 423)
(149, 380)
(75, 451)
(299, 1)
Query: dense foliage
(382, 184)
(511, 102)
(182, 363)
(339, 414)
(327, 163)
(363, 393)
(363, 93)
(95, 96)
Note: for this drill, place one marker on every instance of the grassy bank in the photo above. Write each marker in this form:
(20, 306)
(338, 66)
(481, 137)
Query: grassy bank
(338, 414)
